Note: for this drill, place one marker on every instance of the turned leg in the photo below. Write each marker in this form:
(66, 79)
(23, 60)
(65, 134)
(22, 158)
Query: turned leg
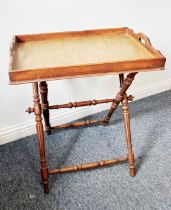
(119, 97)
(40, 136)
(45, 104)
(126, 116)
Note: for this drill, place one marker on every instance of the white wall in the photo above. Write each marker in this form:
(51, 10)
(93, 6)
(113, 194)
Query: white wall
(36, 16)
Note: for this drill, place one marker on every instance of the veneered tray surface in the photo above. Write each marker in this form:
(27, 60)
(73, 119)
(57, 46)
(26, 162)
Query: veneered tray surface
(61, 52)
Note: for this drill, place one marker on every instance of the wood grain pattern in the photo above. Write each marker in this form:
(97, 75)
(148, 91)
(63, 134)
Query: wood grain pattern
(45, 104)
(78, 124)
(81, 103)
(89, 53)
(70, 105)
(68, 34)
(86, 166)
(126, 117)
(40, 136)
(38, 75)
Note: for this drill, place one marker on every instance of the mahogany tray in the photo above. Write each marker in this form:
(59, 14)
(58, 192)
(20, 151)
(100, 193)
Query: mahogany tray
(43, 57)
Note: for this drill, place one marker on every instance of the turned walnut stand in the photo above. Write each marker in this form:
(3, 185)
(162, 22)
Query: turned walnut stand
(43, 57)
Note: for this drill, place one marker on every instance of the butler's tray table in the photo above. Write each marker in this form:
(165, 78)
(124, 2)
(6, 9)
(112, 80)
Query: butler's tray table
(40, 58)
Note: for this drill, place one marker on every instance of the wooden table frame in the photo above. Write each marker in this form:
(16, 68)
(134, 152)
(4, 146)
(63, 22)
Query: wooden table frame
(39, 77)
(43, 107)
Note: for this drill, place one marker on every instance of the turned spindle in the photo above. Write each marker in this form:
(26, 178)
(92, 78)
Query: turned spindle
(45, 104)
(126, 116)
(40, 136)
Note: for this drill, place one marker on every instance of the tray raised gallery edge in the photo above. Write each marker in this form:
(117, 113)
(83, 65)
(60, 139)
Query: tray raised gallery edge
(51, 56)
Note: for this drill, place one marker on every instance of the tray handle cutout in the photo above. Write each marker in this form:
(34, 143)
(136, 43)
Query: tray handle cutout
(144, 39)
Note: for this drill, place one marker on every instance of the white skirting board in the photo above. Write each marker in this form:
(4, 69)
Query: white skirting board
(24, 129)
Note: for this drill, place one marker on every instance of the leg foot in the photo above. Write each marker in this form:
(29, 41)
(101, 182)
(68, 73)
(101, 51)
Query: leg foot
(46, 188)
(131, 162)
(132, 171)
